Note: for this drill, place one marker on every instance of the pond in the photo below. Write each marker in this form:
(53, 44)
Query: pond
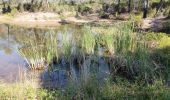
(51, 56)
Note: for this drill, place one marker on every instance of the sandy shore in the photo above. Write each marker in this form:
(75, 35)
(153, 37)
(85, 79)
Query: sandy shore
(41, 19)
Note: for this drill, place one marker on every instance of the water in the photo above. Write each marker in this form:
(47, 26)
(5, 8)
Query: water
(10, 61)
(72, 64)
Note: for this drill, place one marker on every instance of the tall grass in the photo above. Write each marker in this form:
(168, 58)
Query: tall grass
(132, 58)
(39, 53)
(67, 44)
(52, 47)
(125, 38)
(17, 91)
(88, 41)
(33, 54)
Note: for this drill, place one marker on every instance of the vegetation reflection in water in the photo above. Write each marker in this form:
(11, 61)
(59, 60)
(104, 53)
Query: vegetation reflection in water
(123, 49)
(90, 53)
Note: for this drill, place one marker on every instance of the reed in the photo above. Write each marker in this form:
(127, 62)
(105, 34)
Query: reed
(109, 41)
(39, 53)
(88, 41)
(34, 56)
(124, 39)
(52, 47)
(67, 40)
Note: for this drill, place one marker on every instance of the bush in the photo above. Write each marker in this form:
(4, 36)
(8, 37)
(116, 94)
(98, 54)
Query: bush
(105, 7)
(104, 15)
(14, 12)
(20, 7)
(83, 9)
(27, 6)
(138, 21)
(35, 7)
(165, 27)
(164, 49)
(155, 36)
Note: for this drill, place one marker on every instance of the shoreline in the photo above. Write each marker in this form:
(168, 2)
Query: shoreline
(41, 19)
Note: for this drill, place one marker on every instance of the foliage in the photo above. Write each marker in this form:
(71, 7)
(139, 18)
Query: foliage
(137, 20)
(162, 55)
(102, 14)
(84, 9)
(154, 36)
(17, 91)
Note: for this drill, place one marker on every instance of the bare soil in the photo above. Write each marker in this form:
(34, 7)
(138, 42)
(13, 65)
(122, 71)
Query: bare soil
(42, 19)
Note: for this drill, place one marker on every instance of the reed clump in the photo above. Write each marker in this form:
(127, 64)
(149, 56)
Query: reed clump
(39, 53)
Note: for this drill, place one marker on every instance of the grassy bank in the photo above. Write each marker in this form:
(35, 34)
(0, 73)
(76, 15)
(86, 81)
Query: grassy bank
(120, 90)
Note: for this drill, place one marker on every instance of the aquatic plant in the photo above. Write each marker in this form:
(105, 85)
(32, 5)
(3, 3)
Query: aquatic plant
(52, 47)
(109, 40)
(39, 53)
(67, 41)
(34, 56)
(88, 40)
(132, 58)
(124, 39)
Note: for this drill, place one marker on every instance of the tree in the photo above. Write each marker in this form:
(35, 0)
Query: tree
(117, 6)
(20, 6)
(4, 9)
(145, 8)
(159, 7)
(129, 6)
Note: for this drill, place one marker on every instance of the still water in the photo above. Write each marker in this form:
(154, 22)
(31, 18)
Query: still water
(19, 46)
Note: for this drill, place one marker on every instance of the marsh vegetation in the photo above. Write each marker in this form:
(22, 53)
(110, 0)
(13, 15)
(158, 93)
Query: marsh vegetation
(89, 61)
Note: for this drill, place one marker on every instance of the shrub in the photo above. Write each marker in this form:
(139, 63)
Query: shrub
(14, 12)
(20, 7)
(104, 15)
(155, 36)
(166, 26)
(138, 21)
(84, 9)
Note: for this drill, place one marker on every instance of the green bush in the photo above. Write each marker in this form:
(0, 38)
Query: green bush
(14, 12)
(155, 36)
(138, 21)
(84, 9)
(103, 14)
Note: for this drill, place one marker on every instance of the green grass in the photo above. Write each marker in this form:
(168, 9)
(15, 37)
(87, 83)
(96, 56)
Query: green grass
(119, 90)
(17, 91)
(67, 41)
(88, 41)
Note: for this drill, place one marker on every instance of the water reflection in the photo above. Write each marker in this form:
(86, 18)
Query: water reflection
(65, 53)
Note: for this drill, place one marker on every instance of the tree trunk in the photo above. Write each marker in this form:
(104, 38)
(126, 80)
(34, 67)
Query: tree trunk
(118, 6)
(3, 3)
(168, 15)
(21, 6)
(145, 8)
(129, 6)
(159, 7)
